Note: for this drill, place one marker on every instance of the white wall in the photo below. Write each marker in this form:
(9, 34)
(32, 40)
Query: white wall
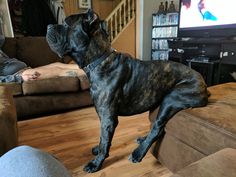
(7, 25)
(145, 9)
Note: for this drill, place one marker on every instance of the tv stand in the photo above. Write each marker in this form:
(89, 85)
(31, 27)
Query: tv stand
(206, 40)
(208, 68)
(201, 58)
(214, 58)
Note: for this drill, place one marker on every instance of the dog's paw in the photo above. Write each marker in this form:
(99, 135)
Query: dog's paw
(139, 140)
(95, 150)
(91, 167)
(135, 157)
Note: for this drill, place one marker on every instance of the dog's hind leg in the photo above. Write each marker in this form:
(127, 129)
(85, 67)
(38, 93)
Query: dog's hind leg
(171, 104)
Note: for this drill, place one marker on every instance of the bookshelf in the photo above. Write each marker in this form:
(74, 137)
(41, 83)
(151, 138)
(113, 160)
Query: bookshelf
(164, 28)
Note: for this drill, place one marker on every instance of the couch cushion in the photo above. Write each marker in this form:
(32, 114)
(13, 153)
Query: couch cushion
(84, 82)
(34, 51)
(219, 164)
(52, 85)
(38, 105)
(25, 161)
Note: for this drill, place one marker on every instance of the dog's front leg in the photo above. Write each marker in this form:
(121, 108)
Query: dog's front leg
(108, 125)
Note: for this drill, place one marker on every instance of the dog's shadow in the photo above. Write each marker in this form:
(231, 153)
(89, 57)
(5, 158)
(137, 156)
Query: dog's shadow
(126, 151)
(112, 160)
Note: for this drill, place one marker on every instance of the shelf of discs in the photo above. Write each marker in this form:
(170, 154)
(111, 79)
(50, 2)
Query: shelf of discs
(164, 28)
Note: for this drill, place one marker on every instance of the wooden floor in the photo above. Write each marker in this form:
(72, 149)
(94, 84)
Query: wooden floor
(70, 137)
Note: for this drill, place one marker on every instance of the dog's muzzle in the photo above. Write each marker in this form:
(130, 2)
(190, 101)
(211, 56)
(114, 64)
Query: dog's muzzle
(55, 37)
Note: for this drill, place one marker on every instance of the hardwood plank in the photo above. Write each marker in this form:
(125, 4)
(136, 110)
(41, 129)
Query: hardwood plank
(70, 137)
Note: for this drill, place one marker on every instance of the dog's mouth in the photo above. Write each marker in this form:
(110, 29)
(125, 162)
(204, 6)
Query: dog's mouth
(56, 38)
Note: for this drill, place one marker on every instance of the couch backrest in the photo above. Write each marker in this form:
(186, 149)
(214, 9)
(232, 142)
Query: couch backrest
(9, 47)
(34, 51)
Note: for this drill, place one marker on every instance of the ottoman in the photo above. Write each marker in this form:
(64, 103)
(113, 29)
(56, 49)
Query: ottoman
(25, 161)
(219, 164)
(195, 133)
(8, 121)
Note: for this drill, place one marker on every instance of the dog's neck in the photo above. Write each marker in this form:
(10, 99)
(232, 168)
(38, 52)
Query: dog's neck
(98, 50)
(98, 60)
(97, 46)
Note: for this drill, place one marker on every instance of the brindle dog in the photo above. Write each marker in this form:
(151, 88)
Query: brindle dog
(122, 85)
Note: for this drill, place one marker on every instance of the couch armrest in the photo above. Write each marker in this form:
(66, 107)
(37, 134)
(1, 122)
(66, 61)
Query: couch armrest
(8, 121)
(14, 87)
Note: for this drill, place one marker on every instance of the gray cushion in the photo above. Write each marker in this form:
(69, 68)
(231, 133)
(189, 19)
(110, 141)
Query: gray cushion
(25, 161)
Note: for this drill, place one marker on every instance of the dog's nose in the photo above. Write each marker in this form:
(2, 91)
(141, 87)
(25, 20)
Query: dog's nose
(50, 26)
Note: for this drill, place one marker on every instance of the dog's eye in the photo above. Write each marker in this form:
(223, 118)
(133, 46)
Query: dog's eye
(65, 24)
(69, 21)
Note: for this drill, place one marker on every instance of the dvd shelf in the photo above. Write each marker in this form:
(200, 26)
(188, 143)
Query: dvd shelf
(164, 28)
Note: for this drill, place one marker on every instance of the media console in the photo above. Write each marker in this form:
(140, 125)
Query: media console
(214, 58)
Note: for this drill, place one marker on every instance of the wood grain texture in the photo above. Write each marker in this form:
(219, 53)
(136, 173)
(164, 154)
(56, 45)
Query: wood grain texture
(70, 137)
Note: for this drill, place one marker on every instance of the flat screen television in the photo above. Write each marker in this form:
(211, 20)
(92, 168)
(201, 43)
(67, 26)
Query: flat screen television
(207, 18)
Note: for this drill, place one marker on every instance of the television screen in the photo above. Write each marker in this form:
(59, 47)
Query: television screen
(202, 17)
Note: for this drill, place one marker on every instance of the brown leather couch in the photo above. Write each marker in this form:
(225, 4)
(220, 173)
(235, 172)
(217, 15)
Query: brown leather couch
(220, 164)
(46, 96)
(196, 133)
(8, 121)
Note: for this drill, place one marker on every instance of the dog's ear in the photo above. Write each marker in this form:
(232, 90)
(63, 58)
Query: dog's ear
(92, 17)
(91, 22)
(104, 27)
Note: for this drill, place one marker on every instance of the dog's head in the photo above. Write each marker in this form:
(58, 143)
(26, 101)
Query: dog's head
(82, 36)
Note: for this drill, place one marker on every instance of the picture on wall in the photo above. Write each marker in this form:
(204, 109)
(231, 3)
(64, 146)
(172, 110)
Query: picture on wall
(1, 23)
(85, 4)
(5, 19)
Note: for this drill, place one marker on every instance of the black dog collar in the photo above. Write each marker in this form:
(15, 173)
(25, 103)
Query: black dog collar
(93, 65)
